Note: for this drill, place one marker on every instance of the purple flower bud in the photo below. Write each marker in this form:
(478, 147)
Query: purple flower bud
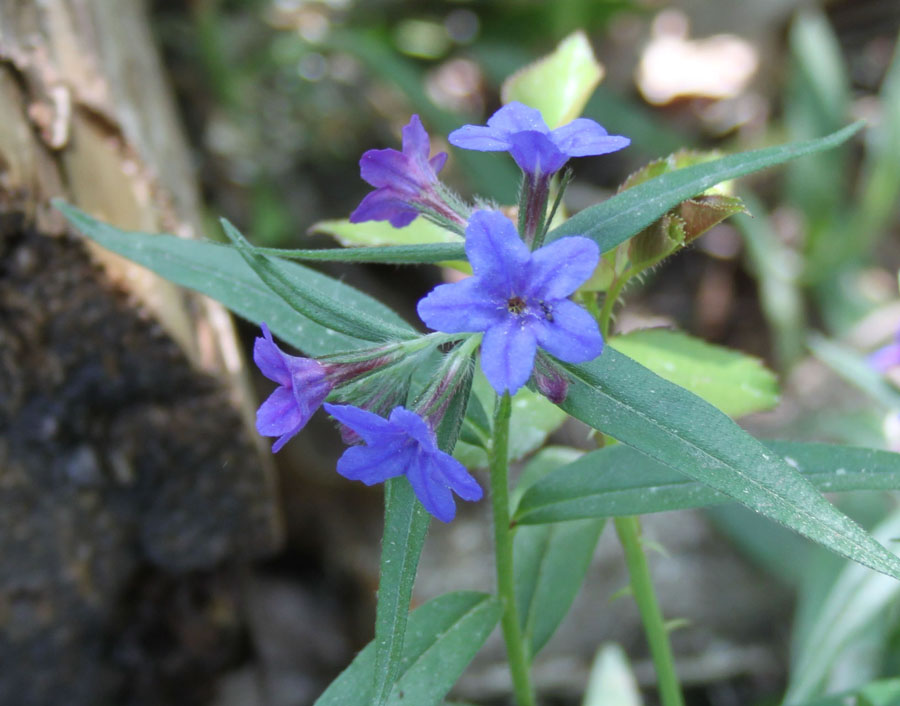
(303, 387)
(549, 380)
(520, 130)
(404, 444)
(887, 357)
(405, 182)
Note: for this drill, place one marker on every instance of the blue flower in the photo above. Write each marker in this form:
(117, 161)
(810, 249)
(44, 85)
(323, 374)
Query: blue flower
(887, 357)
(536, 148)
(519, 299)
(404, 445)
(303, 387)
(402, 180)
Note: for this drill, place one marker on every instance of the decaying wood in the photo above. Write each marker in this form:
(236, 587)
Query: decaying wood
(127, 462)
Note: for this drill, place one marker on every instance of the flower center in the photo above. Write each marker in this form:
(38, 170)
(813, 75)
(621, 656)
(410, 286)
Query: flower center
(516, 305)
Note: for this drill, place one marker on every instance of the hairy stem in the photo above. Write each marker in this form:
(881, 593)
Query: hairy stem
(629, 531)
(503, 546)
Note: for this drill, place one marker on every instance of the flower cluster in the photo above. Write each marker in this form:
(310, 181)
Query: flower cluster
(516, 303)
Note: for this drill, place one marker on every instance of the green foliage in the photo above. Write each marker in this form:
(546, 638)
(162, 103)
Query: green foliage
(551, 561)
(625, 400)
(221, 273)
(735, 383)
(619, 480)
(620, 217)
(443, 637)
(559, 84)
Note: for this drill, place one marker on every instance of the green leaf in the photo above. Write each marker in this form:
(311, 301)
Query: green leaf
(625, 400)
(550, 561)
(877, 693)
(221, 273)
(734, 382)
(443, 637)
(405, 525)
(425, 254)
(619, 480)
(620, 217)
(372, 233)
(550, 564)
(560, 84)
(611, 682)
(533, 419)
(333, 314)
(855, 601)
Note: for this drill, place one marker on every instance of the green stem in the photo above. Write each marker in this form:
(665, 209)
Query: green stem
(503, 546)
(629, 531)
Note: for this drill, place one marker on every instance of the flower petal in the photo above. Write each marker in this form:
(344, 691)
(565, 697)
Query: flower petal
(368, 425)
(384, 205)
(536, 153)
(507, 354)
(415, 427)
(570, 333)
(391, 169)
(372, 464)
(885, 358)
(495, 251)
(434, 496)
(558, 269)
(480, 138)
(280, 414)
(416, 145)
(583, 137)
(437, 162)
(460, 307)
(270, 359)
(458, 478)
(518, 117)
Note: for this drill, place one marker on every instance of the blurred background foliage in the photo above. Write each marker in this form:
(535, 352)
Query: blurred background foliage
(281, 97)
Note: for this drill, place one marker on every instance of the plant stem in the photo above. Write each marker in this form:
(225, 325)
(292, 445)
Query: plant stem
(503, 546)
(629, 531)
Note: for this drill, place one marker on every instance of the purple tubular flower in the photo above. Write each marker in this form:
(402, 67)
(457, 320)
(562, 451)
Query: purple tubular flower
(536, 148)
(519, 299)
(404, 445)
(887, 357)
(302, 389)
(401, 179)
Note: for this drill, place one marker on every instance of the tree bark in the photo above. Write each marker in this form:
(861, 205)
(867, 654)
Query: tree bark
(132, 487)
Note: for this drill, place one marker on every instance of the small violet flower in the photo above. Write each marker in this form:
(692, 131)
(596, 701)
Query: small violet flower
(404, 445)
(887, 357)
(519, 299)
(303, 387)
(402, 180)
(536, 148)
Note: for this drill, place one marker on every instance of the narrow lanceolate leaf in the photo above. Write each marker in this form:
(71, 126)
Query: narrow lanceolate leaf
(625, 400)
(308, 301)
(620, 217)
(405, 526)
(876, 693)
(550, 561)
(621, 481)
(424, 254)
(444, 635)
(857, 599)
(221, 273)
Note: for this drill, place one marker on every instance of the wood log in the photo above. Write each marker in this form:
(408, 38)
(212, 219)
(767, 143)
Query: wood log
(132, 486)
